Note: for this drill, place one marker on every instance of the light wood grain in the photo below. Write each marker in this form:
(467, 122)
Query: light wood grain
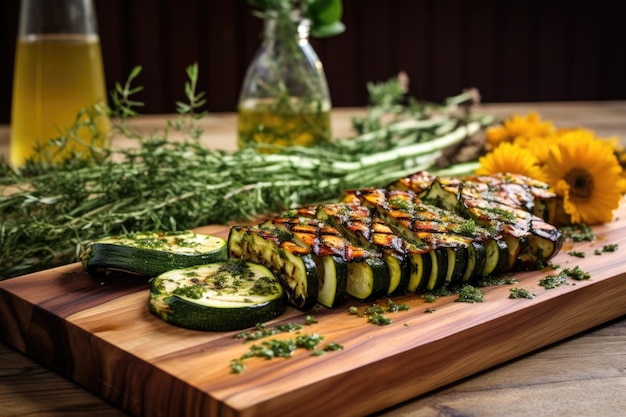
(99, 333)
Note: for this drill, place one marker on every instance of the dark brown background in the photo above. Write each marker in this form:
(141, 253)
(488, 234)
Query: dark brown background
(510, 50)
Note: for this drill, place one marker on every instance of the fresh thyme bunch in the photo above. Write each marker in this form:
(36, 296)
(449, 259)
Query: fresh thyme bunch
(48, 211)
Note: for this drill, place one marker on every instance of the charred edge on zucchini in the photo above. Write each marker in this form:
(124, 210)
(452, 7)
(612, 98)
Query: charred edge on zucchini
(293, 265)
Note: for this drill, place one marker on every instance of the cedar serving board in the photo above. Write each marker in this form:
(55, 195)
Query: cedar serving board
(99, 333)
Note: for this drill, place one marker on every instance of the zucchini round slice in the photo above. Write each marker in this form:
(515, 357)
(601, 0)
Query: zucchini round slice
(497, 257)
(399, 271)
(439, 268)
(457, 264)
(333, 277)
(221, 296)
(152, 253)
(421, 265)
(368, 279)
(476, 259)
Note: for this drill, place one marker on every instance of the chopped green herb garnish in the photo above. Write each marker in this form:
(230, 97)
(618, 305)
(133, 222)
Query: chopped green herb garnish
(332, 347)
(501, 280)
(552, 281)
(520, 293)
(354, 310)
(308, 341)
(237, 366)
(429, 297)
(379, 319)
(375, 312)
(374, 309)
(606, 248)
(393, 307)
(576, 273)
(263, 331)
(578, 233)
(469, 227)
(273, 348)
(470, 294)
(578, 254)
(270, 349)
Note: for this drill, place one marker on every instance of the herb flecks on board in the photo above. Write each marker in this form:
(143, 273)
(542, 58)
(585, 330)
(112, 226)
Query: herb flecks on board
(281, 348)
(377, 314)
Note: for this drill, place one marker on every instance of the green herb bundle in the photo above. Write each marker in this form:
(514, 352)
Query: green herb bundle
(49, 211)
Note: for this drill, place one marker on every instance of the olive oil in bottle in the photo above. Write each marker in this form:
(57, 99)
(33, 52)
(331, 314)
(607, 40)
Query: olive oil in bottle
(267, 123)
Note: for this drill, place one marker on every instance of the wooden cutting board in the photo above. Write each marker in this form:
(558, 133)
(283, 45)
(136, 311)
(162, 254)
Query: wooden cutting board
(99, 333)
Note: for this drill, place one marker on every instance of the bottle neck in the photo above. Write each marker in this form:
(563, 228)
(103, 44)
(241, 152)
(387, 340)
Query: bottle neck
(286, 28)
(57, 17)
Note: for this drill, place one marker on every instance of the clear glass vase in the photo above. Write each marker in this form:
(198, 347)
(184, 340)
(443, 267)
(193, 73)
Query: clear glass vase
(284, 100)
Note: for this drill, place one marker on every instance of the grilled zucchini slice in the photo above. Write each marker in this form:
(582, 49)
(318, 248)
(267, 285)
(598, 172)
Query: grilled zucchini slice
(497, 255)
(333, 280)
(152, 253)
(292, 264)
(476, 259)
(368, 279)
(420, 264)
(221, 296)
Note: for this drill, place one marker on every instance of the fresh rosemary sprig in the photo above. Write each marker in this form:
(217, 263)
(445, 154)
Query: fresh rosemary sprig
(49, 211)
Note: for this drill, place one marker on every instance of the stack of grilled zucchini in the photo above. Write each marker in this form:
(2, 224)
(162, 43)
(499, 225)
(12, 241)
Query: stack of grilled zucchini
(419, 233)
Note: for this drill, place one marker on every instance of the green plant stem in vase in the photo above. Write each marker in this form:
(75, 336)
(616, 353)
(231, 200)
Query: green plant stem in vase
(284, 100)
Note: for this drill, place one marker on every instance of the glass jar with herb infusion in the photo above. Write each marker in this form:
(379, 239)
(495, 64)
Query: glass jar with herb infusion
(284, 100)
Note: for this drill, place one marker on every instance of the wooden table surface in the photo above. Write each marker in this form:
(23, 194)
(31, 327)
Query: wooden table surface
(584, 375)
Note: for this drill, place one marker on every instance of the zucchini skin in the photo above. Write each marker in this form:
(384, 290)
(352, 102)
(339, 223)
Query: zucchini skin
(151, 254)
(187, 315)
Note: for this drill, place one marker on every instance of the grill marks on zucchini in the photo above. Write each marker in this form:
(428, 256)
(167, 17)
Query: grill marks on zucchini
(367, 275)
(439, 240)
(515, 206)
(292, 264)
(356, 223)
(420, 233)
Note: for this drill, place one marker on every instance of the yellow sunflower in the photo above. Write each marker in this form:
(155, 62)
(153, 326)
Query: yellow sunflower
(586, 173)
(510, 158)
(528, 126)
(538, 145)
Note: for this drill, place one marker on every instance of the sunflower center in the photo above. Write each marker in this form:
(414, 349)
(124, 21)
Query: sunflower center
(580, 182)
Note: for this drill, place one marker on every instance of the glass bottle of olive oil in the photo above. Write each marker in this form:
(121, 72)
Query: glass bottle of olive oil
(284, 100)
(58, 72)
